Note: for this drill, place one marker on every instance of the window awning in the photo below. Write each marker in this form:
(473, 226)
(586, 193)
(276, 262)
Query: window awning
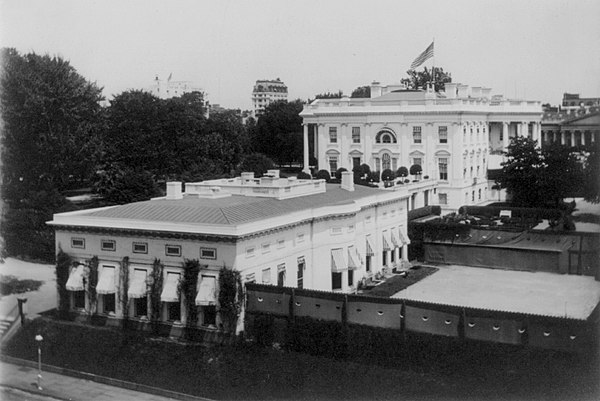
(169, 292)
(207, 294)
(395, 239)
(338, 262)
(75, 281)
(370, 247)
(106, 283)
(301, 260)
(387, 242)
(281, 268)
(137, 286)
(403, 238)
(353, 260)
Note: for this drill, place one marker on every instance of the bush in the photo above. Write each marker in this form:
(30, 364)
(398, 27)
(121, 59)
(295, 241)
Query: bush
(323, 175)
(373, 176)
(256, 163)
(416, 169)
(303, 176)
(402, 172)
(387, 175)
(119, 184)
(338, 173)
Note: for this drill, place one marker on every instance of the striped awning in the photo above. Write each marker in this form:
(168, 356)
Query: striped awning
(137, 285)
(353, 259)
(75, 281)
(169, 292)
(338, 261)
(403, 238)
(207, 294)
(387, 241)
(106, 282)
(395, 239)
(370, 246)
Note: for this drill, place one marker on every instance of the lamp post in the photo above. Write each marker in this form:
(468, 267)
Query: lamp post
(39, 340)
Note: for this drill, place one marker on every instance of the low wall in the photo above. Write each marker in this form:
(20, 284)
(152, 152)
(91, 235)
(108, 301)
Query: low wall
(333, 323)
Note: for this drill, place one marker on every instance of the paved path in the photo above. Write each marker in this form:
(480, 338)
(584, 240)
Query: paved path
(56, 386)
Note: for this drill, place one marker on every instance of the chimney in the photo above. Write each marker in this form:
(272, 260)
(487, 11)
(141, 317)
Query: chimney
(463, 91)
(348, 181)
(375, 89)
(476, 91)
(486, 92)
(174, 190)
(450, 90)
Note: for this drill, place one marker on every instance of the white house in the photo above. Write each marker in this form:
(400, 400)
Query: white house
(451, 134)
(280, 231)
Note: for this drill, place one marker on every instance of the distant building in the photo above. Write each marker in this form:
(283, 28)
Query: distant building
(572, 102)
(166, 89)
(453, 135)
(266, 92)
(571, 129)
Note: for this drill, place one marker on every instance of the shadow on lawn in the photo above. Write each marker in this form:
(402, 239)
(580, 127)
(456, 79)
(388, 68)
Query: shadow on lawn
(431, 367)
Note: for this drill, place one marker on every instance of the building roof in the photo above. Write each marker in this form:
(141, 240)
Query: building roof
(229, 211)
(399, 95)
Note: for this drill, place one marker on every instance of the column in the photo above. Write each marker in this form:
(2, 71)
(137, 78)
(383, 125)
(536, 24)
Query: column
(534, 132)
(563, 138)
(505, 135)
(429, 141)
(583, 138)
(572, 135)
(367, 145)
(306, 168)
(524, 129)
(321, 160)
(405, 252)
(344, 147)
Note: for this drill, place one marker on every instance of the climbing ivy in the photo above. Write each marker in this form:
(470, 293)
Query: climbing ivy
(92, 284)
(230, 297)
(188, 286)
(122, 294)
(155, 290)
(63, 266)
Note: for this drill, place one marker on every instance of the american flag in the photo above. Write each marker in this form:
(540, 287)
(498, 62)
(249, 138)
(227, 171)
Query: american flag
(427, 54)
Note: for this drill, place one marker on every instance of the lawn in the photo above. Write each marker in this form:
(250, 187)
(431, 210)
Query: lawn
(398, 282)
(433, 369)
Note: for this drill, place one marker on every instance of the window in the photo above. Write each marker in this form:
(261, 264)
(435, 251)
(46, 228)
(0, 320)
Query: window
(336, 281)
(266, 248)
(443, 134)
(384, 258)
(368, 263)
(108, 301)
(78, 243)
(79, 299)
(108, 245)
(355, 134)
(266, 276)
(333, 164)
(208, 253)
(173, 250)
(368, 220)
(250, 278)
(386, 162)
(418, 160)
(300, 238)
(386, 138)
(281, 275)
(250, 252)
(301, 267)
(280, 243)
(140, 307)
(443, 167)
(479, 194)
(350, 278)
(351, 228)
(336, 230)
(443, 199)
(473, 196)
(173, 311)
(355, 162)
(140, 247)
(332, 134)
(209, 315)
(417, 134)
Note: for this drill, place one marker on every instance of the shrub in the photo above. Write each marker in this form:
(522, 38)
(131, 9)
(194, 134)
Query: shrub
(373, 176)
(188, 286)
(63, 266)
(338, 173)
(230, 297)
(323, 175)
(387, 175)
(416, 169)
(402, 172)
(303, 176)
(256, 163)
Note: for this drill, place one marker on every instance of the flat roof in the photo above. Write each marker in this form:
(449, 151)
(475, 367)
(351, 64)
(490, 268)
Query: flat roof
(232, 210)
(535, 293)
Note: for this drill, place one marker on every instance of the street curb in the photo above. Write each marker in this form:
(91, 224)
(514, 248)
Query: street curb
(35, 391)
(98, 379)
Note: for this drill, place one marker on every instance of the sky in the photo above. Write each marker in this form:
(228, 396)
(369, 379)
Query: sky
(529, 49)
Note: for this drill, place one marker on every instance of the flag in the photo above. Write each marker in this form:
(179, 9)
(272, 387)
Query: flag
(427, 54)
(170, 75)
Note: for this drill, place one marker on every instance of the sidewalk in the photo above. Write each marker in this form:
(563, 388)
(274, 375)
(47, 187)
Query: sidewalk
(70, 388)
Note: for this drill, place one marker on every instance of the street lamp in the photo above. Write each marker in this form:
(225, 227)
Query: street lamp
(39, 340)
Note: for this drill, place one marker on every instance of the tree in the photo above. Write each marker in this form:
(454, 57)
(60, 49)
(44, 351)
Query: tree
(278, 133)
(51, 121)
(416, 169)
(591, 177)
(419, 79)
(402, 172)
(256, 163)
(362, 92)
(338, 173)
(330, 95)
(323, 175)
(119, 184)
(387, 175)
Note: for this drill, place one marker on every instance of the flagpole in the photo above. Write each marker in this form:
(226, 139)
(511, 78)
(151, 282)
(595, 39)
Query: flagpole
(433, 66)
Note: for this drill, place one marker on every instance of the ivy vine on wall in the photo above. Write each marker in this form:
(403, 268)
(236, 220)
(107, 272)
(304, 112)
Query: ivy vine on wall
(156, 289)
(124, 279)
(93, 283)
(230, 297)
(63, 267)
(188, 286)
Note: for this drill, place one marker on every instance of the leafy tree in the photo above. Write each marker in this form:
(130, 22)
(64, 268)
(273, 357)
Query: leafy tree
(120, 184)
(591, 177)
(373, 176)
(231, 297)
(416, 169)
(330, 95)
(361, 172)
(303, 176)
(419, 79)
(338, 173)
(402, 172)
(257, 163)
(362, 92)
(51, 120)
(278, 132)
(323, 175)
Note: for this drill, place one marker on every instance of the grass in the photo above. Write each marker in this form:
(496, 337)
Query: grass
(398, 282)
(586, 218)
(14, 285)
(432, 368)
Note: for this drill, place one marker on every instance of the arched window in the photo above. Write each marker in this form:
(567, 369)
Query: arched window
(385, 136)
(386, 161)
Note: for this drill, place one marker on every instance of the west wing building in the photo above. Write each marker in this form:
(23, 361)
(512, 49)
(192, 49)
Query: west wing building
(451, 134)
(279, 231)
